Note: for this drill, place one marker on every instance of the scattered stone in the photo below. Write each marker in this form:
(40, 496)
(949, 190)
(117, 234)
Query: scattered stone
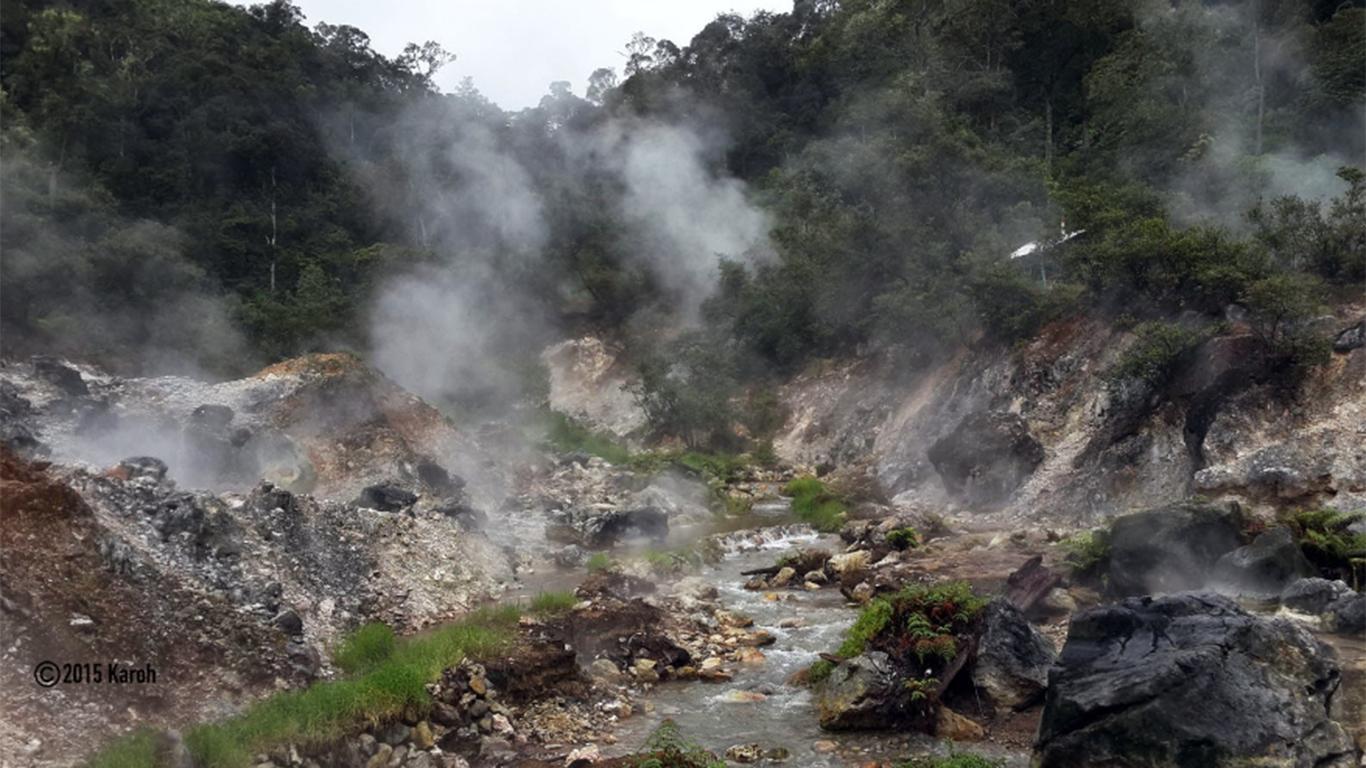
(849, 562)
(824, 746)
(1350, 338)
(783, 577)
(1013, 658)
(1347, 614)
(604, 671)
(745, 753)
(955, 727)
(583, 756)
(422, 735)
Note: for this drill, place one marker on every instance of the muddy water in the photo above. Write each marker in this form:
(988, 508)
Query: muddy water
(721, 715)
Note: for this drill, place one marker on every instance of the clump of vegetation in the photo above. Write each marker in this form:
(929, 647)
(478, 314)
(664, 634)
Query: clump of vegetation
(567, 435)
(555, 603)
(1154, 355)
(955, 760)
(919, 628)
(327, 711)
(365, 648)
(600, 562)
(1335, 551)
(667, 748)
(1088, 553)
(815, 504)
(904, 538)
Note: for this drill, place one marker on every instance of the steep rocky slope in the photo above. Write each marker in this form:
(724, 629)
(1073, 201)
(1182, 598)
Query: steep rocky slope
(1046, 432)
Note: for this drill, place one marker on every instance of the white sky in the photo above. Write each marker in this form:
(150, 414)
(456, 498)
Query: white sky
(515, 48)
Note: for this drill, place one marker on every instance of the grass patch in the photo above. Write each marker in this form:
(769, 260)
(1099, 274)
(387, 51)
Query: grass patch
(137, 750)
(567, 435)
(815, 504)
(553, 603)
(365, 648)
(599, 562)
(871, 622)
(330, 710)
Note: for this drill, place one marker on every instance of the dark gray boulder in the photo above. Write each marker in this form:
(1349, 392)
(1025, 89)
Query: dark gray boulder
(862, 693)
(60, 375)
(1012, 657)
(1170, 549)
(1350, 338)
(1313, 595)
(986, 457)
(1263, 568)
(1347, 614)
(386, 497)
(1190, 680)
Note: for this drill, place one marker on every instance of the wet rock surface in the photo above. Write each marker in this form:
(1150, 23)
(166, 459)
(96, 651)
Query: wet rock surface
(1013, 658)
(986, 457)
(1190, 679)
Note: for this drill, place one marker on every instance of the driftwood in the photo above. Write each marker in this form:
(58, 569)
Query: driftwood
(771, 570)
(1028, 585)
(950, 673)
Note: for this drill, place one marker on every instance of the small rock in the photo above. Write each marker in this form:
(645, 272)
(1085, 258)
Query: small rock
(393, 733)
(583, 756)
(863, 592)
(381, 757)
(603, 670)
(479, 685)
(824, 746)
(422, 735)
(955, 727)
(783, 577)
(745, 753)
(743, 697)
(816, 577)
(850, 561)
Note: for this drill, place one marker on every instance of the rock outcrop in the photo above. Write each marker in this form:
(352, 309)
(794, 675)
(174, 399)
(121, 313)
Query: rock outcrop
(1190, 679)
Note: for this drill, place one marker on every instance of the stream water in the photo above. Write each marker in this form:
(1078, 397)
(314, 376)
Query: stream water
(721, 715)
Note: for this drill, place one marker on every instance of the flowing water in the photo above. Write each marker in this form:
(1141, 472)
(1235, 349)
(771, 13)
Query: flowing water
(720, 715)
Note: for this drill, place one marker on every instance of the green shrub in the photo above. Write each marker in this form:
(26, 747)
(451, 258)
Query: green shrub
(904, 538)
(667, 748)
(1088, 553)
(553, 603)
(1155, 353)
(1326, 542)
(364, 648)
(815, 505)
(137, 750)
(820, 671)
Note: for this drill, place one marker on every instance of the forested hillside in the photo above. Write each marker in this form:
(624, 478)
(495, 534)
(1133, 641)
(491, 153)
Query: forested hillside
(191, 183)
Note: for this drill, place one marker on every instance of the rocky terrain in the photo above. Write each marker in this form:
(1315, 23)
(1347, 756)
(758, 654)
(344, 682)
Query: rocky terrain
(232, 535)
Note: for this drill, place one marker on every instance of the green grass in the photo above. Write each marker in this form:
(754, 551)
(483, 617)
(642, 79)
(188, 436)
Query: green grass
(553, 603)
(871, 621)
(137, 750)
(667, 748)
(365, 648)
(815, 504)
(566, 435)
(330, 710)
(598, 562)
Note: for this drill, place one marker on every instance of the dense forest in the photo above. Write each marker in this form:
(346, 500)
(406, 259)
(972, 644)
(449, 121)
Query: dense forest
(192, 184)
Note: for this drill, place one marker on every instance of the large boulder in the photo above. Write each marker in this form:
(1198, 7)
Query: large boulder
(1347, 614)
(986, 457)
(1263, 568)
(862, 693)
(1012, 657)
(1314, 595)
(1190, 680)
(1170, 549)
